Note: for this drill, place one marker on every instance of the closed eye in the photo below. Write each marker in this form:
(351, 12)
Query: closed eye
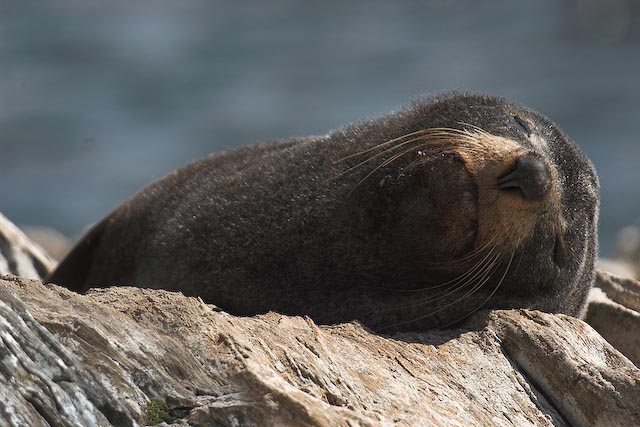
(522, 125)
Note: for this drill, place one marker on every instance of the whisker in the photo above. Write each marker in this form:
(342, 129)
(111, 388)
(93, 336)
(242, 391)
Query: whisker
(396, 157)
(484, 278)
(383, 164)
(462, 260)
(440, 285)
(481, 280)
(519, 262)
(476, 128)
(391, 141)
(478, 275)
(430, 138)
(296, 291)
(422, 138)
(487, 299)
(430, 133)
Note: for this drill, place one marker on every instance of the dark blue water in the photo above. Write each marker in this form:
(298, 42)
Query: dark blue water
(97, 99)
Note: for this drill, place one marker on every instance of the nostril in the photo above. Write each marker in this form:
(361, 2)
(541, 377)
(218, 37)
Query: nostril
(530, 176)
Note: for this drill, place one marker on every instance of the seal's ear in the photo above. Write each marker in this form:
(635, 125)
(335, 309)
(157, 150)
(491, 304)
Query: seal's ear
(72, 272)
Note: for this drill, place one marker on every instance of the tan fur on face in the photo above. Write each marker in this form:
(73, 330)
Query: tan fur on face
(503, 217)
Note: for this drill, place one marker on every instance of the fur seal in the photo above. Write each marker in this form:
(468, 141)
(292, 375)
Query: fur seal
(407, 222)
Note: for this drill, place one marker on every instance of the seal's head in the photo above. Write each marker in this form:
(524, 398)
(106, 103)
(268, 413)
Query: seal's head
(495, 207)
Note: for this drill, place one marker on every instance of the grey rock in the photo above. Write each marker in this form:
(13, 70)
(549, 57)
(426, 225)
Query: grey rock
(55, 244)
(614, 311)
(628, 247)
(617, 267)
(43, 383)
(19, 255)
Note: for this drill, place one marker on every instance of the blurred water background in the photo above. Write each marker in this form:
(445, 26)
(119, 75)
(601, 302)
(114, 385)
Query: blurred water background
(100, 98)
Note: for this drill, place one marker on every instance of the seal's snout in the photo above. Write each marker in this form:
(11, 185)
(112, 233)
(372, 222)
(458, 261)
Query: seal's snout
(530, 177)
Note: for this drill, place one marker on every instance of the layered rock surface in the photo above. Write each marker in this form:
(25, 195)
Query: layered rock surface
(114, 355)
(614, 311)
(19, 255)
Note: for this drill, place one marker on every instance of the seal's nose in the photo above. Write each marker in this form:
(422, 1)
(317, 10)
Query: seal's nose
(530, 175)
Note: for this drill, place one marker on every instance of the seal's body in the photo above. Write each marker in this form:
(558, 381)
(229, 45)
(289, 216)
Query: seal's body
(410, 221)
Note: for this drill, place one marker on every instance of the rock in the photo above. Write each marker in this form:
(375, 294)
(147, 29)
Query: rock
(43, 383)
(159, 357)
(578, 378)
(628, 247)
(622, 290)
(19, 255)
(617, 267)
(55, 244)
(614, 311)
